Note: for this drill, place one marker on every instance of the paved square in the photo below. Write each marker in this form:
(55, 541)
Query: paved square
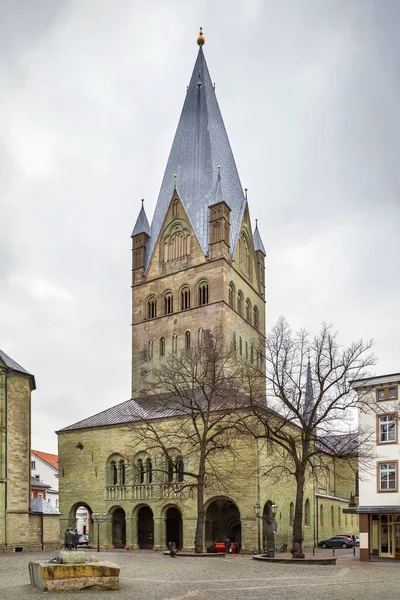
(151, 576)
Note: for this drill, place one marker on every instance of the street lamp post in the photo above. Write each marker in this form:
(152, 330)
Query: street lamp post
(266, 519)
(99, 519)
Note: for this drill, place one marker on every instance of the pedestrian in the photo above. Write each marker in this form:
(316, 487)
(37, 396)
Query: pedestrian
(70, 537)
(238, 545)
(76, 539)
(228, 545)
(172, 549)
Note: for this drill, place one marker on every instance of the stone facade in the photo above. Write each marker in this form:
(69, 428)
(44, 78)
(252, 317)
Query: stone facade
(19, 530)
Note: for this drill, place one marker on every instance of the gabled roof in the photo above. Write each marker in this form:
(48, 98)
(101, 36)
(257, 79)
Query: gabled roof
(42, 507)
(142, 224)
(50, 459)
(258, 243)
(10, 363)
(200, 145)
(39, 485)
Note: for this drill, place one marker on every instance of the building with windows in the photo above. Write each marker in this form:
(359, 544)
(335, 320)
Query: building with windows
(379, 495)
(44, 468)
(24, 524)
(199, 266)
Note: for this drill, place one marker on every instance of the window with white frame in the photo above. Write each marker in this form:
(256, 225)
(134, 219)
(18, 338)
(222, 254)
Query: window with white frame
(33, 465)
(387, 429)
(387, 476)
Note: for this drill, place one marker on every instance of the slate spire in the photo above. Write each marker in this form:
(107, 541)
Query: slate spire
(258, 243)
(142, 224)
(200, 145)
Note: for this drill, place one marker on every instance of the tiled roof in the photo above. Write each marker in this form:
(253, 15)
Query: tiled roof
(42, 507)
(200, 145)
(258, 243)
(50, 459)
(10, 363)
(36, 484)
(142, 224)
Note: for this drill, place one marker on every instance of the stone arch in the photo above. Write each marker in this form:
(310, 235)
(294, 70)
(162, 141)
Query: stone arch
(145, 527)
(84, 523)
(118, 526)
(222, 520)
(173, 525)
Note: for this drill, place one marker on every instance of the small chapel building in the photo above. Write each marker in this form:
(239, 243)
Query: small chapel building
(198, 266)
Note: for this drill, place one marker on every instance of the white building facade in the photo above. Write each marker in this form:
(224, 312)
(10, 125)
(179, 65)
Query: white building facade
(379, 492)
(44, 468)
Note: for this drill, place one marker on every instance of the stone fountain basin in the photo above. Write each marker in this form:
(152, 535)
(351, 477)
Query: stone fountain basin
(66, 577)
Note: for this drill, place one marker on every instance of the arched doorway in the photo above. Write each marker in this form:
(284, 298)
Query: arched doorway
(173, 527)
(268, 532)
(222, 521)
(80, 518)
(118, 528)
(145, 528)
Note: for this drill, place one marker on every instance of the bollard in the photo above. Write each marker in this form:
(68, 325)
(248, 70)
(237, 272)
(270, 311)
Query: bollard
(354, 550)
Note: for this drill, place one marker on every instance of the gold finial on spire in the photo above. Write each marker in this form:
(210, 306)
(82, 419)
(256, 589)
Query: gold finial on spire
(201, 40)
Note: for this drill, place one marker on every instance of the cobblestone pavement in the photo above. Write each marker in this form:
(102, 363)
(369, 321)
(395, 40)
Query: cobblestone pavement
(152, 576)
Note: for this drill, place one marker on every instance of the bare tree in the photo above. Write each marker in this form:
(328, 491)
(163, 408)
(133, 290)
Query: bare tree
(190, 404)
(311, 408)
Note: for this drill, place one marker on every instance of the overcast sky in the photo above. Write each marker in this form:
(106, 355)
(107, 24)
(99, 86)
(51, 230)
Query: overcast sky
(90, 96)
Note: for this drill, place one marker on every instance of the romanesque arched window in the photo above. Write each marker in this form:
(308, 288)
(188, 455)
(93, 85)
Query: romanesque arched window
(187, 340)
(231, 294)
(339, 517)
(240, 346)
(151, 307)
(234, 344)
(122, 472)
(307, 519)
(162, 346)
(200, 337)
(170, 471)
(248, 310)
(140, 470)
(256, 320)
(321, 515)
(150, 349)
(246, 347)
(168, 303)
(179, 469)
(175, 205)
(149, 471)
(332, 517)
(175, 343)
(114, 472)
(240, 302)
(244, 254)
(185, 298)
(252, 354)
(203, 293)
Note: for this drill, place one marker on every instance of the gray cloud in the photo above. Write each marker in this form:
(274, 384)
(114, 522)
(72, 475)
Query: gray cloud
(90, 98)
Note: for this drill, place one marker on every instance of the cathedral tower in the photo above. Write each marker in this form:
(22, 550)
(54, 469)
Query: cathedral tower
(198, 266)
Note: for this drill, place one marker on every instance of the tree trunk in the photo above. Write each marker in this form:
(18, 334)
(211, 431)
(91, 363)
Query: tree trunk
(199, 535)
(297, 547)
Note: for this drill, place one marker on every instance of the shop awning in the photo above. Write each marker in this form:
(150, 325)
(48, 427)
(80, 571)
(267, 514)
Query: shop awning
(372, 510)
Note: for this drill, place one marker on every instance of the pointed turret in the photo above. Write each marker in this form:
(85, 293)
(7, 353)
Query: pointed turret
(260, 258)
(200, 145)
(140, 236)
(309, 395)
(258, 243)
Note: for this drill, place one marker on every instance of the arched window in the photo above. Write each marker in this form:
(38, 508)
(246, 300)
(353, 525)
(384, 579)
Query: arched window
(291, 514)
(162, 346)
(170, 471)
(307, 513)
(332, 517)
(234, 342)
(168, 303)
(140, 469)
(244, 255)
(122, 472)
(175, 205)
(203, 293)
(231, 295)
(187, 340)
(240, 302)
(179, 469)
(174, 343)
(255, 317)
(248, 310)
(339, 514)
(151, 308)
(150, 349)
(149, 471)
(240, 346)
(200, 337)
(321, 515)
(114, 473)
(185, 298)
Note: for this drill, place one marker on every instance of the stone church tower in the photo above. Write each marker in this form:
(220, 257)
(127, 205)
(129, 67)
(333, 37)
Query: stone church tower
(198, 266)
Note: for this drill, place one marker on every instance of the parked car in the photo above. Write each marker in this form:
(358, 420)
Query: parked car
(338, 541)
(357, 540)
(83, 540)
(349, 535)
